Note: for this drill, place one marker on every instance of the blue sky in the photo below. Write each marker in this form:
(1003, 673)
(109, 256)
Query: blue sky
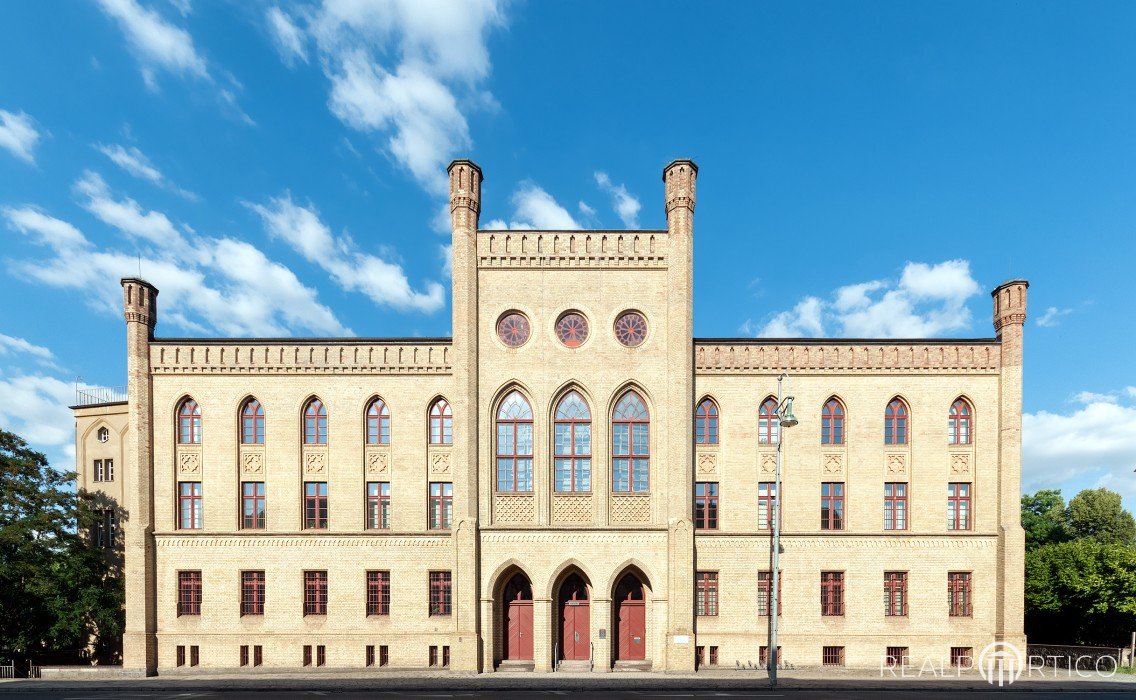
(866, 169)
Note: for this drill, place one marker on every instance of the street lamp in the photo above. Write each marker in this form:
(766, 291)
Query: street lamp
(786, 419)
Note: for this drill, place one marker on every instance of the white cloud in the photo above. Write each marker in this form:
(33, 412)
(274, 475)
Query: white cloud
(384, 282)
(184, 7)
(533, 208)
(927, 301)
(137, 164)
(18, 135)
(1088, 397)
(10, 345)
(1052, 316)
(217, 285)
(1095, 445)
(36, 408)
(625, 205)
(1130, 391)
(585, 209)
(157, 43)
(289, 39)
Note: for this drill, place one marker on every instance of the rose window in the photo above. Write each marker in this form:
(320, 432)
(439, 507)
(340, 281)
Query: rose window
(513, 329)
(572, 329)
(631, 328)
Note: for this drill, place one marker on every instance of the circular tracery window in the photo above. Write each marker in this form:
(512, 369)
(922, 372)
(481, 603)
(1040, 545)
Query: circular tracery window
(631, 328)
(572, 329)
(513, 329)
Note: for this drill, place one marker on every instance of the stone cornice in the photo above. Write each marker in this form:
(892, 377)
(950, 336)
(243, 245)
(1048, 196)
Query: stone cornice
(265, 540)
(899, 356)
(572, 249)
(301, 357)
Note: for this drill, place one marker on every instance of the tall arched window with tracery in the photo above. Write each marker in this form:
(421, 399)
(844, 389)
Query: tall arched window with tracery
(378, 423)
(895, 422)
(706, 422)
(573, 444)
(315, 423)
(960, 424)
(515, 444)
(630, 445)
(252, 423)
(768, 425)
(189, 423)
(832, 422)
(441, 423)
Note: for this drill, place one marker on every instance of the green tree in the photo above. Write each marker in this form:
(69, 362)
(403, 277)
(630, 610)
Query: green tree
(1081, 592)
(1043, 518)
(58, 592)
(1099, 515)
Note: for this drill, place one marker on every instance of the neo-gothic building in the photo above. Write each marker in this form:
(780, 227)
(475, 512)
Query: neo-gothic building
(571, 480)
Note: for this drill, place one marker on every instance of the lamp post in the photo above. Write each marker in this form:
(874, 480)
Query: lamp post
(785, 419)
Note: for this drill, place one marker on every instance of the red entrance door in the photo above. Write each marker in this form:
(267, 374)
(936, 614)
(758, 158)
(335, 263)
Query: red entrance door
(518, 620)
(574, 620)
(631, 631)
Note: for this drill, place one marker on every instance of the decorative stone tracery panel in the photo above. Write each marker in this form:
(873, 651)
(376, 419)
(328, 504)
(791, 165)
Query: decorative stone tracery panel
(377, 462)
(315, 462)
(576, 508)
(832, 463)
(252, 462)
(514, 509)
(895, 464)
(960, 463)
(189, 462)
(768, 462)
(439, 461)
(707, 463)
(630, 509)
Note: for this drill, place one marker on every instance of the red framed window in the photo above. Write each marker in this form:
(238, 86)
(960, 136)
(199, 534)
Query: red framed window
(441, 505)
(706, 423)
(189, 593)
(181, 655)
(378, 505)
(321, 655)
(244, 655)
(895, 506)
(194, 655)
(257, 655)
(706, 593)
(189, 505)
(895, 593)
(384, 655)
(252, 423)
(630, 445)
(315, 423)
(832, 593)
(370, 655)
(897, 656)
(378, 423)
(768, 424)
(514, 444)
(432, 658)
(252, 505)
(832, 505)
(832, 423)
(189, 423)
(766, 495)
(763, 655)
(572, 329)
(315, 505)
(765, 593)
(441, 423)
(832, 656)
(961, 657)
(440, 593)
(252, 593)
(315, 593)
(378, 593)
(706, 505)
(573, 444)
(959, 593)
(960, 423)
(958, 506)
(895, 422)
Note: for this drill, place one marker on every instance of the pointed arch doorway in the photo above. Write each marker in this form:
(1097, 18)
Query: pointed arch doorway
(575, 619)
(518, 618)
(630, 619)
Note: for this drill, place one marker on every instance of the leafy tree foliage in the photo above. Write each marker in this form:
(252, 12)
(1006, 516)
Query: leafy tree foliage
(1081, 592)
(1099, 515)
(56, 591)
(1043, 518)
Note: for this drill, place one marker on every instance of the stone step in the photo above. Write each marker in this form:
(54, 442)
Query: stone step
(575, 666)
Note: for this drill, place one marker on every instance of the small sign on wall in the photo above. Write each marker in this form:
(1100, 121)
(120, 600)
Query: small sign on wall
(603, 634)
(682, 639)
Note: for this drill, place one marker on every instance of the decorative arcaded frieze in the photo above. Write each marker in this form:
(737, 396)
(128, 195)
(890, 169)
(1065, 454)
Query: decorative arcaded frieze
(746, 356)
(514, 508)
(189, 461)
(323, 541)
(552, 249)
(630, 509)
(852, 542)
(300, 358)
(576, 508)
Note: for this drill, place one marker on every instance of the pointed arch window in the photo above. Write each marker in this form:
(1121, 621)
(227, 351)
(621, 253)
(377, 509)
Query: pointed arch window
(514, 444)
(378, 423)
(252, 423)
(630, 445)
(832, 423)
(189, 423)
(768, 425)
(573, 444)
(960, 424)
(706, 422)
(895, 422)
(441, 423)
(315, 423)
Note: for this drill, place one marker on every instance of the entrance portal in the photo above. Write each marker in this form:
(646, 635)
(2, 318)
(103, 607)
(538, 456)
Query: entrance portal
(518, 615)
(575, 620)
(631, 616)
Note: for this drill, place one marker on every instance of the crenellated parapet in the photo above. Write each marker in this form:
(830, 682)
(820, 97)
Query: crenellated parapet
(748, 356)
(299, 357)
(572, 249)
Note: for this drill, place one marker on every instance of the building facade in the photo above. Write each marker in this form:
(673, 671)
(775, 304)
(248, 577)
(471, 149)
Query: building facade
(571, 481)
